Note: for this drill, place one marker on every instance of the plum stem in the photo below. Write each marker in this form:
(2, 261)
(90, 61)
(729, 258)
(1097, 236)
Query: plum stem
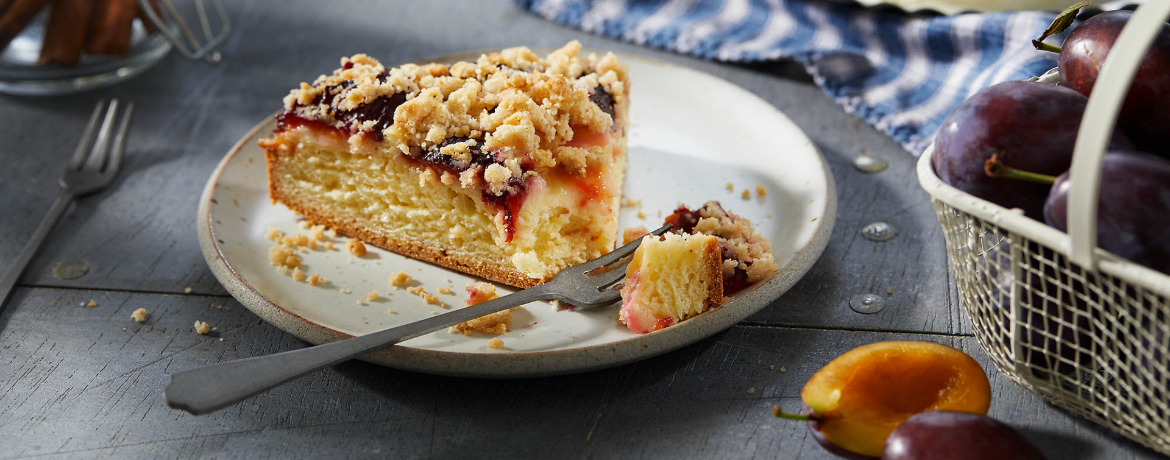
(995, 168)
(1059, 25)
(1045, 47)
(777, 411)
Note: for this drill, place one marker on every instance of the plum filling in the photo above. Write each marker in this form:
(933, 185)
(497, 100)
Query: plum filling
(604, 100)
(508, 203)
(380, 110)
(684, 221)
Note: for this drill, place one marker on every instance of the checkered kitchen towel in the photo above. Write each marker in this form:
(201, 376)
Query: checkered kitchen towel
(901, 73)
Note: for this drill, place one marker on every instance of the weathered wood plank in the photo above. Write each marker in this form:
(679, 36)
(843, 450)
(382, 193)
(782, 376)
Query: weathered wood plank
(74, 384)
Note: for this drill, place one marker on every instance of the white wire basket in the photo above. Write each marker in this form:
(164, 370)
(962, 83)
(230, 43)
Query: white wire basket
(1083, 328)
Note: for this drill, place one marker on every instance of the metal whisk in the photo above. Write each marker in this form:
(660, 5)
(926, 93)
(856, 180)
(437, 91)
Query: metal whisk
(167, 18)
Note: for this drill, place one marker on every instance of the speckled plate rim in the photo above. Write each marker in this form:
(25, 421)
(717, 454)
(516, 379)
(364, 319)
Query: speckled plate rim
(526, 364)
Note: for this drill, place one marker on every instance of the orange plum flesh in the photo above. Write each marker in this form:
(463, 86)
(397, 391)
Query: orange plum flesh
(861, 396)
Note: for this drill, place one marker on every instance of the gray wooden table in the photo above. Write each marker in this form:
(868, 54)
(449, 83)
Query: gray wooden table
(87, 382)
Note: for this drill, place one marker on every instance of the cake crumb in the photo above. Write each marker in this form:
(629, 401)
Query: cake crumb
(448, 280)
(494, 323)
(273, 234)
(360, 301)
(298, 274)
(317, 232)
(372, 296)
(91, 304)
(782, 369)
(391, 311)
(751, 390)
(187, 290)
(730, 186)
(446, 290)
(430, 299)
(202, 327)
(139, 315)
(496, 344)
(747, 194)
(316, 279)
(305, 224)
(633, 233)
(659, 213)
(398, 279)
(641, 215)
(631, 203)
(416, 290)
(889, 291)
(331, 233)
(329, 245)
(760, 190)
(345, 291)
(355, 247)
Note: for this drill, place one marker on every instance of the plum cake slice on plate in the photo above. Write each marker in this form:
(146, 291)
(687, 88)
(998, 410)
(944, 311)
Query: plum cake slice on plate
(509, 167)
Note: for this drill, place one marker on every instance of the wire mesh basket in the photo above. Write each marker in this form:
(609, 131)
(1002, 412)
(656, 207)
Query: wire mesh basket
(1083, 328)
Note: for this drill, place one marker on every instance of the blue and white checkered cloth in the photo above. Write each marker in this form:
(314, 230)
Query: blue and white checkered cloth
(901, 73)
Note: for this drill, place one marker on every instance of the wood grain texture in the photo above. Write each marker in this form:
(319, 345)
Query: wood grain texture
(76, 385)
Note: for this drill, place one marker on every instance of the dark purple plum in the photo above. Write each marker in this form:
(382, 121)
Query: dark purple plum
(1059, 323)
(1145, 114)
(1027, 125)
(1133, 209)
(957, 436)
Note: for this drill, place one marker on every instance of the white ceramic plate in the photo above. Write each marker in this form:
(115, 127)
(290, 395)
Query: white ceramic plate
(691, 135)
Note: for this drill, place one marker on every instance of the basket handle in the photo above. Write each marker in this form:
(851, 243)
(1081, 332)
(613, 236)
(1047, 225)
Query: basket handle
(1109, 92)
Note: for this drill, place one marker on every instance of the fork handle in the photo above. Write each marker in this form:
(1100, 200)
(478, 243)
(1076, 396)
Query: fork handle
(210, 388)
(13, 274)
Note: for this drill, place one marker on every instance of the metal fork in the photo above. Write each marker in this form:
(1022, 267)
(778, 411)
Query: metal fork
(93, 167)
(210, 388)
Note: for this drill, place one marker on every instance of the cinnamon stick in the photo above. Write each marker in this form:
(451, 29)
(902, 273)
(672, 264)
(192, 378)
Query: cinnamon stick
(142, 16)
(16, 17)
(66, 32)
(111, 26)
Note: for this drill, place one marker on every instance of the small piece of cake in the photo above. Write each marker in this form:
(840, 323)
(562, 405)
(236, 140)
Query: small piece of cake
(747, 255)
(202, 328)
(496, 323)
(139, 315)
(509, 167)
(671, 279)
(709, 254)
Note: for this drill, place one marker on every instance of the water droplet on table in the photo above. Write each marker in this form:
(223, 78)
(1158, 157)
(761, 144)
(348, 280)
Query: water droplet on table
(867, 304)
(878, 231)
(870, 164)
(70, 269)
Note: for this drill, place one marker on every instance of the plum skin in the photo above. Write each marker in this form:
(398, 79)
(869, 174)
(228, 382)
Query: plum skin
(1133, 209)
(957, 436)
(1028, 125)
(1145, 113)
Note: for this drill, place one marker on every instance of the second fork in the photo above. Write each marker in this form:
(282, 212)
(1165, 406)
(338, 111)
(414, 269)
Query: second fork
(93, 166)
